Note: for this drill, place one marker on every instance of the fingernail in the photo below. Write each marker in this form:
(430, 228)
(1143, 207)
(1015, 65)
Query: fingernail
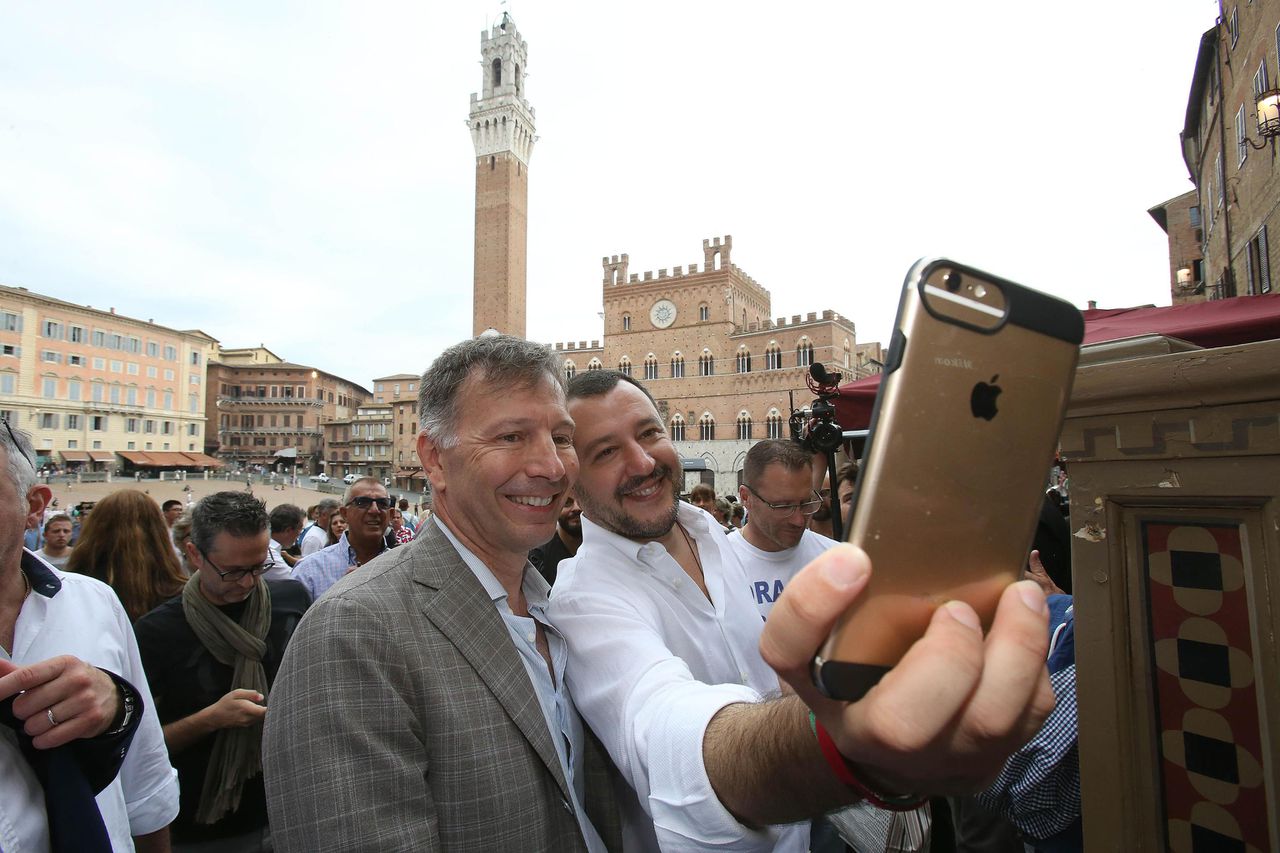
(1032, 596)
(844, 567)
(963, 614)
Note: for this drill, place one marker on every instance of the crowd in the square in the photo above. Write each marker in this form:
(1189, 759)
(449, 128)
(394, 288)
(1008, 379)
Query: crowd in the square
(561, 652)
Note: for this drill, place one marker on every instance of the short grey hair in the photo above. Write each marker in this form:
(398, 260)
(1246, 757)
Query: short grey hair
(506, 362)
(363, 481)
(21, 469)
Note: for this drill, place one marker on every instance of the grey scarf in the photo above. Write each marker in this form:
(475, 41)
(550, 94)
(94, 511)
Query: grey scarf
(237, 752)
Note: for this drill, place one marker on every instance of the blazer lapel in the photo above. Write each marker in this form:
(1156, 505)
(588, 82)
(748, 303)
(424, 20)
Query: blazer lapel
(461, 609)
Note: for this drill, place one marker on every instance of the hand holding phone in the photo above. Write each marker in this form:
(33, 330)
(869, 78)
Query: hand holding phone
(963, 432)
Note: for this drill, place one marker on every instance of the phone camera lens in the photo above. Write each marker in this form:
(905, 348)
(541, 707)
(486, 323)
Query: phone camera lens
(953, 280)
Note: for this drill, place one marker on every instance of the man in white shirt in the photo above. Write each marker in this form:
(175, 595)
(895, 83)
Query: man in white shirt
(778, 493)
(286, 525)
(56, 630)
(57, 541)
(667, 661)
(316, 536)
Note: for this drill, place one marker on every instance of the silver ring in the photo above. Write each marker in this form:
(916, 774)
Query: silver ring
(48, 712)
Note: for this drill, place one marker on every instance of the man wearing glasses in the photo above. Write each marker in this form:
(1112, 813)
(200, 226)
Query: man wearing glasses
(211, 655)
(777, 490)
(367, 510)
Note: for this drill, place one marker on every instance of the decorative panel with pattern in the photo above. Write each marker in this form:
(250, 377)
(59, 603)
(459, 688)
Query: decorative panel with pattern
(1207, 715)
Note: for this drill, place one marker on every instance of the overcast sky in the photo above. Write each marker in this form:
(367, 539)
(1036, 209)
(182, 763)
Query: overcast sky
(301, 175)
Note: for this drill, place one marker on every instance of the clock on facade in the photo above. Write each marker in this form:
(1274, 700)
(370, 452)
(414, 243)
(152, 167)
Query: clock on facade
(663, 313)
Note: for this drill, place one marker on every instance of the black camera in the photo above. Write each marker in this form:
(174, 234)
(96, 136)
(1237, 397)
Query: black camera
(816, 428)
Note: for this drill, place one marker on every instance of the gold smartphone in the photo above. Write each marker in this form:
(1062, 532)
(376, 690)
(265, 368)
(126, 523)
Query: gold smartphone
(963, 433)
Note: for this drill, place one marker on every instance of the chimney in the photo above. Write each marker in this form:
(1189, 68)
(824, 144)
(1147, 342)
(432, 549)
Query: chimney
(1093, 304)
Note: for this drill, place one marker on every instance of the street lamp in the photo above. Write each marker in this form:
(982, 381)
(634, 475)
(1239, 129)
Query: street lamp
(1267, 112)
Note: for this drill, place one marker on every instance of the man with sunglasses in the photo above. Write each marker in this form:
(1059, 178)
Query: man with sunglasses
(777, 490)
(367, 510)
(211, 655)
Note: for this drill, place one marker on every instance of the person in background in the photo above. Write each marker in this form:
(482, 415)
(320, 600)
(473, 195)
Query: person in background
(568, 536)
(398, 533)
(316, 535)
(211, 655)
(181, 535)
(336, 527)
(171, 509)
(125, 544)
(57, 541)
(286, 527)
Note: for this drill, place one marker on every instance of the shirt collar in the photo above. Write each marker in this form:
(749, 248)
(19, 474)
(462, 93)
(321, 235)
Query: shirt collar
(695, 521)
(532, 584)
(40, 575)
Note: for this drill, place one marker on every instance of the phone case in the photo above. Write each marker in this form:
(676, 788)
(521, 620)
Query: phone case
(963, 433)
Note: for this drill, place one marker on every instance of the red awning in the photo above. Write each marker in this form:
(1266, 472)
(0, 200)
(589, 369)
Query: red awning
(1217, 323)
(137, 457)
(74, 456)
(102, 455)
(201, 460)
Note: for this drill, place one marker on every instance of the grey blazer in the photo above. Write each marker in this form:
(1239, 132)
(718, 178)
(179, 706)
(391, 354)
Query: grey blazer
(403, 719)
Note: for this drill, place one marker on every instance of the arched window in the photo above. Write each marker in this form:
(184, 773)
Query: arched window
(677, 365)
(624, 365)
(706, 363)
(744, 359)
(706, 427)
(497, 73)
(744, 426)
(677, 427)
(650, 366)
(773, 357)
(773, 424)
(704, 313)
(626, 322)
(846, 352)
(804, 353)
(594, 364)
(569, 370)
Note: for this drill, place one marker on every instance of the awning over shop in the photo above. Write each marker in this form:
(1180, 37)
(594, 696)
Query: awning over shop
(693, 463)
(202, 460)
(1217, 323)
(407, 472)
(102, 455)
(74, 456)
(137, 457)
(287, 453)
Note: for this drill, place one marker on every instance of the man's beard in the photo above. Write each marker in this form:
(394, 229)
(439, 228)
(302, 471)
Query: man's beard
(612, 517)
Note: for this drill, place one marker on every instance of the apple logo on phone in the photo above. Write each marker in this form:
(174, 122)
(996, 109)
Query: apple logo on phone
(983, 399)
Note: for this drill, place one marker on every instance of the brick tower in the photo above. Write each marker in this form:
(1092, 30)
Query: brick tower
(502, 129)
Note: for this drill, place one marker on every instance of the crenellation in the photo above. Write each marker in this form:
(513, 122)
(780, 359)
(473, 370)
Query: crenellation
(662, 273)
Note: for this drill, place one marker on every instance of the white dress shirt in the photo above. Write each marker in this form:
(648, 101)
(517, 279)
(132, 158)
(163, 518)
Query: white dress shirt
(280, 570)
(84, 618)
(651, 661)
(313, 539)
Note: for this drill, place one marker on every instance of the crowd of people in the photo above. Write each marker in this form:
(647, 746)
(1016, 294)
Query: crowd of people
(564, 653)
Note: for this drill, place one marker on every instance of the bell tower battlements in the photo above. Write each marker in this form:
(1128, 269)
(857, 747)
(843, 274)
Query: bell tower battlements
(501, 119)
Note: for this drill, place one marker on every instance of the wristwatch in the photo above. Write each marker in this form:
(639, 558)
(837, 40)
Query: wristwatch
(128, 704)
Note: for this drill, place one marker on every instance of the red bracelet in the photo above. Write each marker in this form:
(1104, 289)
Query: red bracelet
(843, 768)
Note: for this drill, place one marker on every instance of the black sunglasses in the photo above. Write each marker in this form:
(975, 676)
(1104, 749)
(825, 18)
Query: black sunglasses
(364, 502)
(17, 444)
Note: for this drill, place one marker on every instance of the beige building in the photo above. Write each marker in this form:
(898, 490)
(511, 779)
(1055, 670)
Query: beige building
(265, 411)
(400, 392)
(1231, 163)
(360, 445)
(90, 384)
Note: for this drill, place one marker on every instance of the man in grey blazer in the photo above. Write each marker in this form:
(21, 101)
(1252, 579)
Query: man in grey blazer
(421, 704)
